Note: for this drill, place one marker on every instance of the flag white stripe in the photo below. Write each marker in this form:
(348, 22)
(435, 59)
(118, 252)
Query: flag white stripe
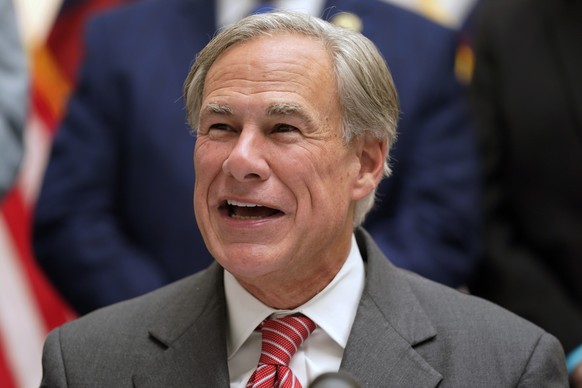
(21, 326)
(38, 142)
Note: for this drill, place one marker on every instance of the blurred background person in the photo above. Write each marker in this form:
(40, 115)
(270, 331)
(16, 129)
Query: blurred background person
(110, 221)
(527, 94)
(13, 96)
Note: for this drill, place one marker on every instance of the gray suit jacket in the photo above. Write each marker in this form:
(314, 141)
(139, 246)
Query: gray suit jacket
(408, 332)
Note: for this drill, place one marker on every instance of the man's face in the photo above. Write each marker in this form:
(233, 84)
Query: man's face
(275, 184)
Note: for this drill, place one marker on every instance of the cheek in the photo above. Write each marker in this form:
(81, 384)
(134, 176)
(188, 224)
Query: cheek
(340, 166)
(340, 179)
(208, 158)
(324, 177)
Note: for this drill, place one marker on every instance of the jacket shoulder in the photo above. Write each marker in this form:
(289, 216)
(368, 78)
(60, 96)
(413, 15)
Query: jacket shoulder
(129, 321)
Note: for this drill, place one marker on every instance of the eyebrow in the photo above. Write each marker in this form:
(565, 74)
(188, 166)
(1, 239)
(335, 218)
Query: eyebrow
(220, 109)
(275, 109)
(284, 109)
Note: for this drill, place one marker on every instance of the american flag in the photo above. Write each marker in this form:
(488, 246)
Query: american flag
(29, 306)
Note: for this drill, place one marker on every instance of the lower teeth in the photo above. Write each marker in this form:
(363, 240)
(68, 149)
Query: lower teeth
(245, 217)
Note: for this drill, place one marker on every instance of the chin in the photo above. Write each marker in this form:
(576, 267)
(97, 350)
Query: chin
(249, 262)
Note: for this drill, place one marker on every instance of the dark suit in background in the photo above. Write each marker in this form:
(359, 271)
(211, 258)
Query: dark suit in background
(112, 219)
(527, 91)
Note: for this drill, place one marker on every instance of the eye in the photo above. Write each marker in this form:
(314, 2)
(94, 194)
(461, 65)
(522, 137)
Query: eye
(283, 128)
(217, 130)
(220, 127)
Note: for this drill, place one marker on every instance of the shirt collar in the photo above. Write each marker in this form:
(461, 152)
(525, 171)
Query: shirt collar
(333, 309)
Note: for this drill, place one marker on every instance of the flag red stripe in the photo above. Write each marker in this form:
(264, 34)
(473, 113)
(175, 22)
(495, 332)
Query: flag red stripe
(42, 109)
(6, 378)
(17, 217)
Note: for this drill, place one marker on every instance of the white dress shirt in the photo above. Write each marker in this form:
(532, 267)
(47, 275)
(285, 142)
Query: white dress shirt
(333, 310)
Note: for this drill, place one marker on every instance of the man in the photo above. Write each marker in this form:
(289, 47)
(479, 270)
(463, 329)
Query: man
(110, 222)
(294, 117)
(527, 94)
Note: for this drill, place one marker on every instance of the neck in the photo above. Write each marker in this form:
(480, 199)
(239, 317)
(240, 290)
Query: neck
(281, 294)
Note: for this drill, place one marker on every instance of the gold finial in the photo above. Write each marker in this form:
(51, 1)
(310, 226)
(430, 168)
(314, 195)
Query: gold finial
(348, 20)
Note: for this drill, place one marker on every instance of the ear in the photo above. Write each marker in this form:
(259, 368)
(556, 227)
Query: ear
(372, 155)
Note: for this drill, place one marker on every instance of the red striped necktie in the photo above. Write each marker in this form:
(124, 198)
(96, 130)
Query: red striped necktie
(281, 339)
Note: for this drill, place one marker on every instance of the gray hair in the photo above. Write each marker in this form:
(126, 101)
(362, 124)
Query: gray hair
(368, 100)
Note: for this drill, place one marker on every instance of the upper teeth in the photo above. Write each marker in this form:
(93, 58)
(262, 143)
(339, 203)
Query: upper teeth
(242, 204)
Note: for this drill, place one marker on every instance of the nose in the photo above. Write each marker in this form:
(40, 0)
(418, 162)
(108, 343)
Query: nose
(246, 161)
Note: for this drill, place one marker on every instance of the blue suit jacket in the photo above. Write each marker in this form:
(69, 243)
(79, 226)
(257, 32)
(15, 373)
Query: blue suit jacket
(114, 217)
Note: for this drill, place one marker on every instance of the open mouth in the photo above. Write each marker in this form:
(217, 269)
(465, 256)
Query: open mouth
(248, 211)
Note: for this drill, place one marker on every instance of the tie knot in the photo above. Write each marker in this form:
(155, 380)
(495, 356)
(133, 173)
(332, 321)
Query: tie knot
(282, 337)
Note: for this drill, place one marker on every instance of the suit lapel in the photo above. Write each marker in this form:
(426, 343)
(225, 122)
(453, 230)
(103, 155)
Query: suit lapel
(389, 326)
(192, 350)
